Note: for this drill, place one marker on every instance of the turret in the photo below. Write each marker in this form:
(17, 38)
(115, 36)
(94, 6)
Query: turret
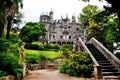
(73, 19)
(51, 14)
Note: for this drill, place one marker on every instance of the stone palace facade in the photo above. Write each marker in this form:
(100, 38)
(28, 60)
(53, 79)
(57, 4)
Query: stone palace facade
(62, 31)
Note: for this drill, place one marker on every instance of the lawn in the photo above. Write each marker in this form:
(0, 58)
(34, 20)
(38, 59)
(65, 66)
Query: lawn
(47, 54)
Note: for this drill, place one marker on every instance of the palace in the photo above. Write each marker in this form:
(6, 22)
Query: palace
(62, 31)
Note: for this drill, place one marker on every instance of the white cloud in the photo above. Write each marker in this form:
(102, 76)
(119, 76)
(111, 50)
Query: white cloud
(33, 8)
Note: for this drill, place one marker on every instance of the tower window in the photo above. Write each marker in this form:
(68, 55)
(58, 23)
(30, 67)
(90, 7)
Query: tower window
(53, 36)
(69, 37)
(61, 37)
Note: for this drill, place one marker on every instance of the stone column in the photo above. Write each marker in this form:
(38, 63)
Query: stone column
(97, 72)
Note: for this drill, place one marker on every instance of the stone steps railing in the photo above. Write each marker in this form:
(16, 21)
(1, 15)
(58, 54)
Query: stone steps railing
(96, 66)
(111, 57)
(87, 50)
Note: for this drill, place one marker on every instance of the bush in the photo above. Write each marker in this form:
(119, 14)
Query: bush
(9, 56)
(67, 47)
(79, 64)
(66, 53)
(10, 65)
(38, 46)
(15, 39)
(52, 46)
(4, 45)
(32, 58)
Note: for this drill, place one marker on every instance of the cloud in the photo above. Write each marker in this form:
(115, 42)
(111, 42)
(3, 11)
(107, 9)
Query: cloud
(33, 8)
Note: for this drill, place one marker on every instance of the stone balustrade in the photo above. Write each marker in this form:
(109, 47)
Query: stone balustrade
(112, 58)
(97, 67)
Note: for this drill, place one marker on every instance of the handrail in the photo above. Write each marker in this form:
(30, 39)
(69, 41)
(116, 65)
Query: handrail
(112, 58)
(86, 49)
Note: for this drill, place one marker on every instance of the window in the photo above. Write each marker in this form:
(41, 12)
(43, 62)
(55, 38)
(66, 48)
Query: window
(69, 37)
(53, 36)
(61, 37)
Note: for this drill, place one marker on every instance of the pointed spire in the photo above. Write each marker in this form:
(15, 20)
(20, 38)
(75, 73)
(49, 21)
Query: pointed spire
(66, 15)
(46, 13)
(61, 17)
(74, 14)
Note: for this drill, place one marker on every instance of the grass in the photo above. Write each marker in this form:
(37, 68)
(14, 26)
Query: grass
(47, 54)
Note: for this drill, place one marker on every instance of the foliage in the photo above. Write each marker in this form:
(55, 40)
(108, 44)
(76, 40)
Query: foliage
(15, 39)
(51, 46)
(4, 45)
(31, 31)
(7, 4)
(18, 18)
(40, 46)
(79, 65)
(87, 13)
(112, 7)
(32, 58)
(110, 34)
(67, 47)
(34, 55)
(66, 53)
(10, 65)
(9, 57)
(103, 27)
(93, 30)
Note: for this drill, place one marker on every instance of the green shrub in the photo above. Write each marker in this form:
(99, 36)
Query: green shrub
(66, 53)
(4, 45)
(32, 46)
(52, 46)
(79, 64)
(15, 39)
(38, 46)
(10, 65)
(9, 56)
(32, 58)
(67, 47)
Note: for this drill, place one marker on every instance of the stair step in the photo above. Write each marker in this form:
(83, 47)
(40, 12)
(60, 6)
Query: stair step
(103, 58)
(97, 54)
(111, 73)
(103, 61)
(108, 67)
(110, 70)
(105, 64)
(100, 59)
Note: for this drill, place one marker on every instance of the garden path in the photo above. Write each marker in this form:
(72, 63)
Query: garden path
(50, 75)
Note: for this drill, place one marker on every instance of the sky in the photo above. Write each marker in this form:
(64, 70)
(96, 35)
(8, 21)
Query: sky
(33, 8)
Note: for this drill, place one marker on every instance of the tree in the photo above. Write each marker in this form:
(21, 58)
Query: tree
(31, 31)
(6, 8)
(93, 30)
(17, 21)
(112, 7)
(110, 33)
(87, 13)
(87, 22)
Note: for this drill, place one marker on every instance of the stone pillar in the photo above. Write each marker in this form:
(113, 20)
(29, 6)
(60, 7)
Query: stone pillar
(97, 72)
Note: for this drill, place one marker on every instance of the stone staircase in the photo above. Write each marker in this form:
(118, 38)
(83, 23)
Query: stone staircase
(108, 69)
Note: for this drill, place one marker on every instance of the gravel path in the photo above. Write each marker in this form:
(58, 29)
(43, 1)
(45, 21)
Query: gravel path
(50, 75)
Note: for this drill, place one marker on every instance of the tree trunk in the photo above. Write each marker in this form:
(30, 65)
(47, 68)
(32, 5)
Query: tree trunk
(9, 18)
(1, 29)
